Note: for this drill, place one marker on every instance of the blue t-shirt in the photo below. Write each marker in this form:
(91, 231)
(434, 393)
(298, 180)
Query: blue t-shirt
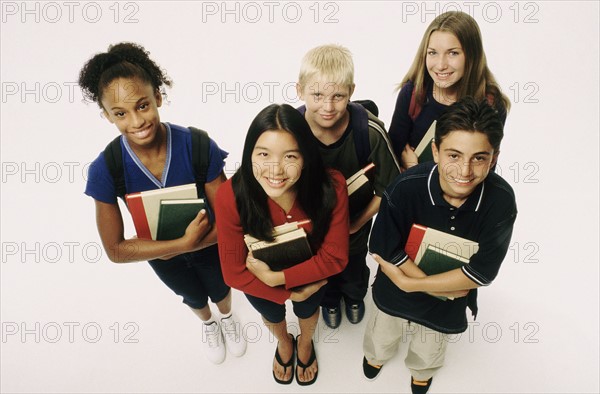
(178, 167)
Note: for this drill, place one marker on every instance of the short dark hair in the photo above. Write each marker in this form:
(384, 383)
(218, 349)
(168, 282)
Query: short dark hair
(467, 114)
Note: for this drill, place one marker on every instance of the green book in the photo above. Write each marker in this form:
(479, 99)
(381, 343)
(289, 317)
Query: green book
(175, 215)
(437, 260)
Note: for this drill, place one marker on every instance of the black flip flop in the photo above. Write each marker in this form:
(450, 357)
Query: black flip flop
(311, 360)
(285, 366)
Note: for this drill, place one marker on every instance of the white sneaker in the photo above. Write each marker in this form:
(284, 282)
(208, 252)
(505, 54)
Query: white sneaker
(232, 331)
(212, 338)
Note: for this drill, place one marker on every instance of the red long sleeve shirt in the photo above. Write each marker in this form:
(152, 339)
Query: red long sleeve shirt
(331, 256)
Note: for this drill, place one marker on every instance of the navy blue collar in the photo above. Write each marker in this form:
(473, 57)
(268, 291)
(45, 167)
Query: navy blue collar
(436, 195)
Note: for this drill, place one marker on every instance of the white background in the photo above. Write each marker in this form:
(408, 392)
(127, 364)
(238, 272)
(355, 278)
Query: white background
(74, 322)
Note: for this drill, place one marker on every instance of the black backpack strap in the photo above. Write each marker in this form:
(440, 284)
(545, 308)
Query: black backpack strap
(113, 156)
(200, 154)
(360, 128)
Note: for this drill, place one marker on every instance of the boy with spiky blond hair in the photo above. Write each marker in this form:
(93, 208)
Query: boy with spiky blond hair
(349, 138)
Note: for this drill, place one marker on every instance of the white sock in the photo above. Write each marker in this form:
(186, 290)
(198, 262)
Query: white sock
(210, 321)
(227, 317)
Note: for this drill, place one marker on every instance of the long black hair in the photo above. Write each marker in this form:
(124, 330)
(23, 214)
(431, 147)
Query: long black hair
(315, 190)
(123, 60)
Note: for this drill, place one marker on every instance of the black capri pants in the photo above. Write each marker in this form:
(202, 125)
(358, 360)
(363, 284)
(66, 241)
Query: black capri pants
(275, 313)
(195, 276)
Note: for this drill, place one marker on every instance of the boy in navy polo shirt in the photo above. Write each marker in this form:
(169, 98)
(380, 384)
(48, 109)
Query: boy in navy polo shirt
(456, 194)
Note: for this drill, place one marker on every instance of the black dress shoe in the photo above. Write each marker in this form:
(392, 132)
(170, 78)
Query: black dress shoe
(332, 316)
(370, 371)
(355, 311)
(419, 388)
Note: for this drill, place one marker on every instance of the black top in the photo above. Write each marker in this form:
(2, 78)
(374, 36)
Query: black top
(405, 130)
(342, 155)
(486, 217)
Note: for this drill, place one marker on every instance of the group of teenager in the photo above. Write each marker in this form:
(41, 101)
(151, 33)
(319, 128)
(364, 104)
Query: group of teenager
(294, 166)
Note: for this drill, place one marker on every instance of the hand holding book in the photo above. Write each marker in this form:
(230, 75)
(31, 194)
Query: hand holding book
(289, 247)
(263, 272)
(436, 252)
(409, 283)
(198, 229)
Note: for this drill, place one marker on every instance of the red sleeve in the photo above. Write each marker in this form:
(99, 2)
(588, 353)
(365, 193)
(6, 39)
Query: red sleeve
(233, 251)
(332, 256)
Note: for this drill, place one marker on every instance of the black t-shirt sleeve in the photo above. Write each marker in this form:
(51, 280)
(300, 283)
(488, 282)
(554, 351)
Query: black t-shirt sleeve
(389, 233)
(494, 241)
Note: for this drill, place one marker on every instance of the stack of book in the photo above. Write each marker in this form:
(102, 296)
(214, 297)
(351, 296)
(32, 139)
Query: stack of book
(436, 252)
(164, 214)
(290, 246)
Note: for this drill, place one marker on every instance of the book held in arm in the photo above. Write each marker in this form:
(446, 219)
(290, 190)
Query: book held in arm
(144, 207)
(175, 216)
(436, 252)
(423, 150)
(360, 191)
(357, 180)
(290, 246)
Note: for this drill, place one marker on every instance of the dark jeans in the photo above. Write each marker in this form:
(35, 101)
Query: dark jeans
(352, 283)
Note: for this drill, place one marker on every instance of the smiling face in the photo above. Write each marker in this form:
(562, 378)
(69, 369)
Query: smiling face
(326, 103)
(464, 160)
(277, 165)
(445, 60)
(132, 105)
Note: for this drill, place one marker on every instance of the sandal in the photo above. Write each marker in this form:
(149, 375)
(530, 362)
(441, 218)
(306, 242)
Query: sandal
(285, 366)
(311, 360)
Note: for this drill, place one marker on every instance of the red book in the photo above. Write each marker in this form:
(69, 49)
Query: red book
(145, 206)
(420, 237)
(415, 238)
(138, 214)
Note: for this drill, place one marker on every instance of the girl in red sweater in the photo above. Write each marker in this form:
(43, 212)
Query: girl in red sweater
(282, 179)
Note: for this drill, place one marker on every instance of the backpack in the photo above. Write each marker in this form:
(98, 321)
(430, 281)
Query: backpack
(360, 126)
(113, 156)
(414, 108)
